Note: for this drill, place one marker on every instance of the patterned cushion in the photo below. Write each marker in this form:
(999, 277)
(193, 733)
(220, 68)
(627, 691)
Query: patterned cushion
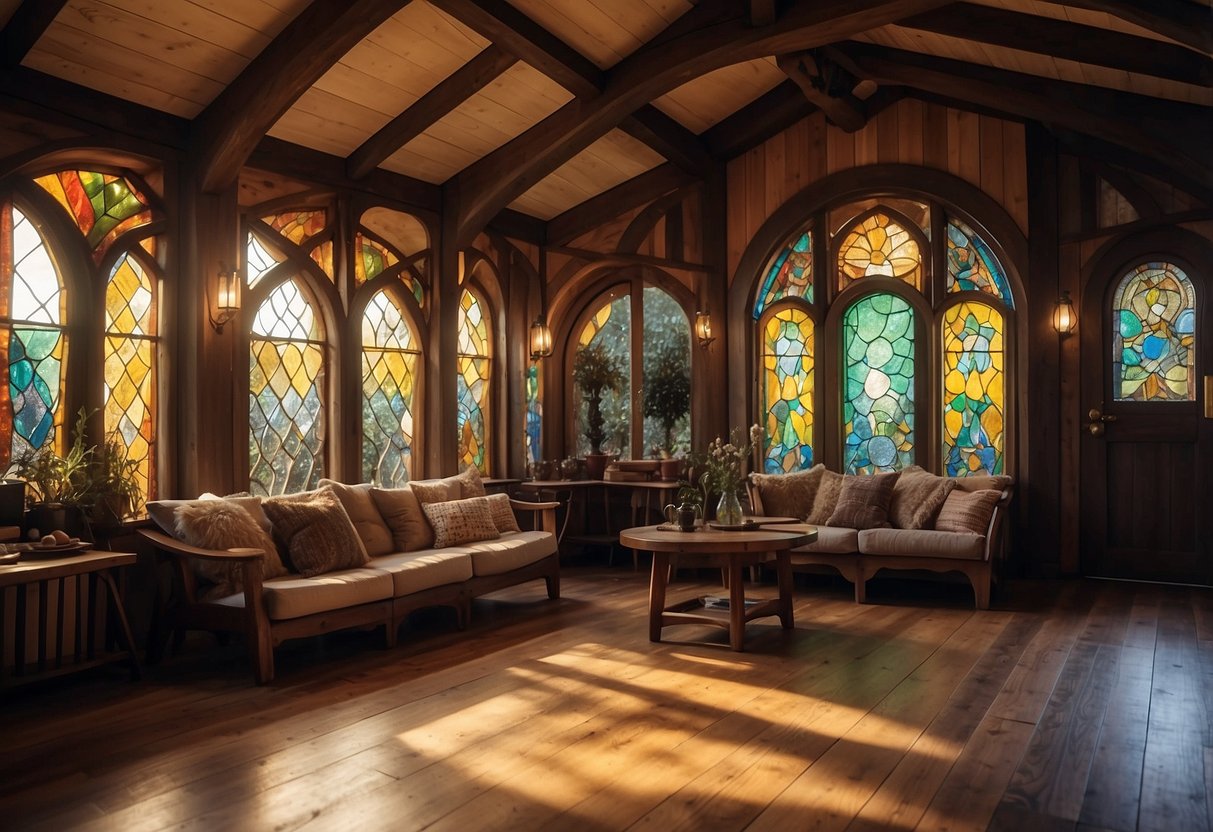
(967, 511)
(318, 533)
(826, 498)
(368, 522)
(917, 498)
(224, 524)
(460, 521)
(502, 513)
(436, 491)
(864, 501)
(788, 495)
(402, 511)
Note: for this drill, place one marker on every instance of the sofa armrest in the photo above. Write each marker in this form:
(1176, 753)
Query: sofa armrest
(547, 516)
(176, 548)
(996, 531)
(249, 560)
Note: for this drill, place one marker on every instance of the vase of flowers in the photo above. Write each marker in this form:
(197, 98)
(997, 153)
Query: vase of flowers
(721, 470)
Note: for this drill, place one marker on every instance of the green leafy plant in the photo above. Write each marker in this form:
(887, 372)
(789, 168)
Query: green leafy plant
(721, 468)
(596, 370)
(667, 390)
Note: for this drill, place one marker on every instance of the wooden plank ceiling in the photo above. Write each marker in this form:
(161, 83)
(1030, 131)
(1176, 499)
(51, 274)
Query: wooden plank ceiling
(438, 87)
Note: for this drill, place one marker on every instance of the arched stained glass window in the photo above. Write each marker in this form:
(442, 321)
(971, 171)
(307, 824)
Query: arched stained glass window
(789, 276)
(787, 389)
(286, 398)
(389, 385)
(972, 266)
(32, 339)
(878, 400)
(472, 387)
(878, 245)
(298, 226)
(258, 259)
(610, 326)
(130, 367)
(370, 259)
(102, 204)
(534, 413)
(974, 390)
(1154, 335)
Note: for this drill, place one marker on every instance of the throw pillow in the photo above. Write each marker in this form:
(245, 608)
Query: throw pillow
(917, 498)
(789, 495)
(967, 511)
(318, 533)
(460, 521)
(402, 511)
(436, 491)
(224, 524)
(502, 513)
(826, 498)
(469, 483)
(864, 501)
(368, 522)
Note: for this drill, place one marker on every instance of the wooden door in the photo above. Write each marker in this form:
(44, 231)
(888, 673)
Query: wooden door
(1146, 435)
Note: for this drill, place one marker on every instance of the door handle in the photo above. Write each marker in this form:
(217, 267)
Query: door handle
(1096, 420)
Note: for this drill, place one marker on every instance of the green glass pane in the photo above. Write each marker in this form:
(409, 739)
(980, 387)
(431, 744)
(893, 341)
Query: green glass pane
(878, 410)
(1154, 344)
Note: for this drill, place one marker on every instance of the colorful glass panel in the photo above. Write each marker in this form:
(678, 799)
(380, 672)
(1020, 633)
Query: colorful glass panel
(389, 385)
(370, 259)
(286, 401)
(788, 380)
(972, 267)
(258, 259)
(534, 413)
(33, 344)
(323, 257)
(974, 390)
(298, 226)
(790, 275)
(130, 324)
(102, 204)
(472, 387)
(879, 246)
(610, 326)
(1154, 335)
(878, 400)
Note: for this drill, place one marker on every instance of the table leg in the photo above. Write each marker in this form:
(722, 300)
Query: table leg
(120, 614)
(736, 606)
(657, 583)
(783, 571)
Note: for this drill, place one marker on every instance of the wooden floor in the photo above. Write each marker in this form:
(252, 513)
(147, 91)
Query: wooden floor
(1073, 705)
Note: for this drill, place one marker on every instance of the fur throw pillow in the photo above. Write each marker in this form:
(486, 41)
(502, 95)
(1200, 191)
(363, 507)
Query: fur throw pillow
(864, 501)
(917, 498)
(789, 495)
(224, 524)
(318, 533)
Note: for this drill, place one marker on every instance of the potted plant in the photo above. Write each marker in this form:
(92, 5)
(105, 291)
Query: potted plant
(595, 371)
(667, 398)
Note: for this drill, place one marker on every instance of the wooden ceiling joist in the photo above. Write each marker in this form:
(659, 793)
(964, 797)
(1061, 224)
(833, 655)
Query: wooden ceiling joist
(812, 74)
(1069, 41)
(23, 29)
(227, 131)
(769, 114)
(620, 199)
(1180, 20)
(442, 99)
(669, 138)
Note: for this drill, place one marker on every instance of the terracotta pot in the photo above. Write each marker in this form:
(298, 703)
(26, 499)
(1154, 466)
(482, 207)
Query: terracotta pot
(595, 465)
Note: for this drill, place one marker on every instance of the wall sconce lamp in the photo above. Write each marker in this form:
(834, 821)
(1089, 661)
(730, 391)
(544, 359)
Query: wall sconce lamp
(227, 297)
(540, 339)
(703, 329)
(1064, 319)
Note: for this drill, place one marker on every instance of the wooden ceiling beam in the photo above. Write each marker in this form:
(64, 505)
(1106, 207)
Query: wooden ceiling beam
(23, 29)
(763, 12)
(639, 190)
(812, 74)
(707, 42)
(1069, 41)
(227, 131)
(669, 138)
(452, 91)
(1180, 20)
(1168, 134)
(765, 116)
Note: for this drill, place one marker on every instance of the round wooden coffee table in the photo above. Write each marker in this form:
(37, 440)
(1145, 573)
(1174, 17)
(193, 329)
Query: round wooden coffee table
(732, 551)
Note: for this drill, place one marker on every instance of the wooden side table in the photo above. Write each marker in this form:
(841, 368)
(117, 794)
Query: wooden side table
(68, 624)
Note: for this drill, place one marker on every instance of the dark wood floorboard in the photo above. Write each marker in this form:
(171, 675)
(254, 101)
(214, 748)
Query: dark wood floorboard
(1072, 705)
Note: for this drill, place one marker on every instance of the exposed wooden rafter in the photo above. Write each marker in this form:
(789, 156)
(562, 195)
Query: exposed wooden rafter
(770, 113)
(446, 96)
(639, 190)
(1180, 20)
(707, 43)
(23, 29)
(763, 12)
(827, 86)
(669, 138)
(227, 131)
(1069, 41)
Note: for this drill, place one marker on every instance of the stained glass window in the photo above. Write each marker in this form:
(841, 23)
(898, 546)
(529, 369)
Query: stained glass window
(879, 246)
(102, 204)
(258, 260)
(790, 275)
(878, 400)
(323, 256)
(787, 384)
(534, 413)
(389, 385)
(130, 345)
(611, 326)
(298, 226)
(286, 400)
(974, 392)
(972, 266)
(1154, 335)
(472, 387)
(32, 340)
(370, 259)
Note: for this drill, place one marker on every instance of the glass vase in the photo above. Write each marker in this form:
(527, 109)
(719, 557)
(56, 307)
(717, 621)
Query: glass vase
(728, 510)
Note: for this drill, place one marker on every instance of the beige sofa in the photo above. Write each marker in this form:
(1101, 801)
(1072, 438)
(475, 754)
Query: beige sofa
(382, 592)
(858, 554)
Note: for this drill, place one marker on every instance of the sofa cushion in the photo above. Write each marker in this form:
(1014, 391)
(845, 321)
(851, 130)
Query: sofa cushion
(469, 482)
(788, 495)
(864, 501)
(318, 534)
(293, 597)
(967, 511)
(223, 524)
(402, 512)
(436, 491)
(826, 498)
(832, 540)
(922, 543)
(460, 521)
(375, 535)
(983, 482)
(917, 498)
(510, 551)
(502, 513)
(415, 571)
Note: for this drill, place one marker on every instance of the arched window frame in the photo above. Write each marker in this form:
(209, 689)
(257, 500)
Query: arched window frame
(764, 417)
